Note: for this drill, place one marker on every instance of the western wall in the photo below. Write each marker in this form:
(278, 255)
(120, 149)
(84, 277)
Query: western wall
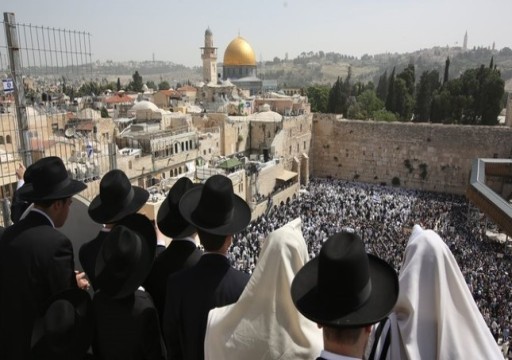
(433, 157)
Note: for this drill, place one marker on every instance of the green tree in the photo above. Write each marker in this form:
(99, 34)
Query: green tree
(118, 85)
(151, 85)
(355, 112)
(369, 103)
(382, 86)
(492, 88)
(318, 96)
(404, 102)
(137, 83)
(441, 108)
(164, 85)
(390, 96)
(90, 88)
(384, 115)
(446, 70)
(428, 84)
(336, 100)
(483, 89)
(104, 112)
(408, 75)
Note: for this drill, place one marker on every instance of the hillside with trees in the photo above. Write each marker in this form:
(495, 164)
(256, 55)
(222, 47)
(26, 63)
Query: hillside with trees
(476, 97)
(319, 68)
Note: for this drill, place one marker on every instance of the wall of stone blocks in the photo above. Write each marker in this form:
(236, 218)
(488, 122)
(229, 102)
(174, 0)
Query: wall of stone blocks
(236, 136)
(298, 137)
(432, 157)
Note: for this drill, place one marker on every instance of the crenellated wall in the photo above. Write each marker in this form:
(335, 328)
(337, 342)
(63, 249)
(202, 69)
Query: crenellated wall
(431, 157)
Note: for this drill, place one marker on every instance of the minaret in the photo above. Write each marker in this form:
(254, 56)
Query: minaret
(209, 56)
(465, 45)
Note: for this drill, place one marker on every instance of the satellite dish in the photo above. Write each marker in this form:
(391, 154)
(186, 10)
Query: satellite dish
(70, 132)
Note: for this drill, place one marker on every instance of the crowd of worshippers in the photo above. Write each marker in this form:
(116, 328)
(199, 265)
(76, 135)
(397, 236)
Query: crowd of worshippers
(382, 215)
(332, 275)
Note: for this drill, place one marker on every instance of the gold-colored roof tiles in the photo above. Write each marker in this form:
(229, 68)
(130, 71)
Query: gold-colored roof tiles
(239, 52)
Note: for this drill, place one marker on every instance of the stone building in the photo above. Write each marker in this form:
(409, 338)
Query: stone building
(166, 99)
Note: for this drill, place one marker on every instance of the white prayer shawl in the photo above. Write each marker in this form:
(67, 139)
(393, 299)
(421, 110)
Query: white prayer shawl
(264, 323)
(436, 316)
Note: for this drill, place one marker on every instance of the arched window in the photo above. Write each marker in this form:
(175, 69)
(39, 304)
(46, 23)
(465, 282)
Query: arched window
(8, 139)
(1, 140)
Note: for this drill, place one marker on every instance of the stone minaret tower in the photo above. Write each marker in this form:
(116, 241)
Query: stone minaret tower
(465, 45)
(209, 56)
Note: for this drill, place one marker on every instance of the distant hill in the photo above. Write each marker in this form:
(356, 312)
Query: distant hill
(149, 70)
(324, 68)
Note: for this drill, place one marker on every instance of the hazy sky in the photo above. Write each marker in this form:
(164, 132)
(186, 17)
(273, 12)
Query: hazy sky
(173, 30)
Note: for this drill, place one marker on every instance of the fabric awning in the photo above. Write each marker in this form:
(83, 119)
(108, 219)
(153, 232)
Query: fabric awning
(286, 175)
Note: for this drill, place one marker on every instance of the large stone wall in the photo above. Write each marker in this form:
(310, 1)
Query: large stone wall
(421, 156)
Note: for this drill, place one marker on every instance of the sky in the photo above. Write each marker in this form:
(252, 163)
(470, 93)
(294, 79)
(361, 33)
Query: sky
(173, 30)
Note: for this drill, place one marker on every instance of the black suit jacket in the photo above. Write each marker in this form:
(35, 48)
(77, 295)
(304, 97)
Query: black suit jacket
(36, 261)
(88, 253)
(191, 294)
(127, 328)
(180, 254)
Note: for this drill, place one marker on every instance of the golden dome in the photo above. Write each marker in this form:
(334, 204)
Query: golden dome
(239, 52)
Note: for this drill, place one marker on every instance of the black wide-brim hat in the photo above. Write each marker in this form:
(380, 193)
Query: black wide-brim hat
(169, 220)
(66, 329)
(126, 256)
(214, 208)
(49, 180)
(345, 287)
(117, 198)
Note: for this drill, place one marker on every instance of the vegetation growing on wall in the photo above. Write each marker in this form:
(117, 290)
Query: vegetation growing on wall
(423, 171)
(408, 165)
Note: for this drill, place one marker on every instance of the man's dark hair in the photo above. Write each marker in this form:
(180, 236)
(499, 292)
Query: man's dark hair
(211, 242)
(347, 336)
(45, 204)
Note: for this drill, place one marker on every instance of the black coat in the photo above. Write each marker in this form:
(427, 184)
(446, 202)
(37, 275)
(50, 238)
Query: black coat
(180, 254)
(88, 253)
(191, 294)
(127, 328)
(36, 262)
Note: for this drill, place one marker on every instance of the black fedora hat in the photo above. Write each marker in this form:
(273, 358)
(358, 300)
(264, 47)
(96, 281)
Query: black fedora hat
(214, 208)
(169, 220)
(126, 256)
(117, 198)
(344, 286)
(49, 180)
(65, 330)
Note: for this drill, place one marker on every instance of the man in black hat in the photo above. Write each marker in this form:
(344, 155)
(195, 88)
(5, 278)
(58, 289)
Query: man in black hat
(117, 199)
(125, 318)
(217, 213)
(65, 330)
(181, 253)
(36, 260)
(345, 291)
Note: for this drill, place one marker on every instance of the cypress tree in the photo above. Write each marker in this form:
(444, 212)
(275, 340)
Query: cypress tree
(390, 98)
(382, 86)
(446, 70)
